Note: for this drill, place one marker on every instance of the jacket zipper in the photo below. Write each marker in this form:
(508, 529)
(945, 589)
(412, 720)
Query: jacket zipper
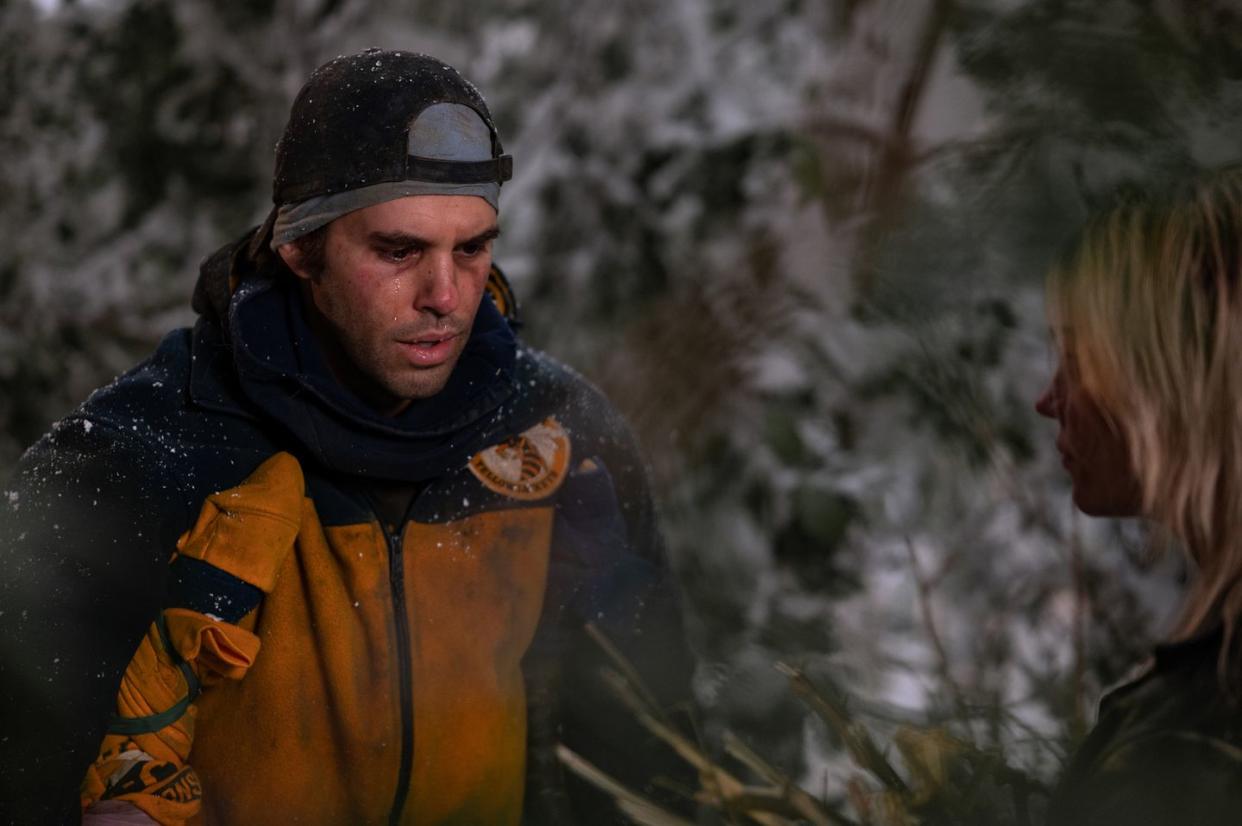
(396, 580)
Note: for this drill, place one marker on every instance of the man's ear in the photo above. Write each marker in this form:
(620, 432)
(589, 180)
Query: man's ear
(292, 255)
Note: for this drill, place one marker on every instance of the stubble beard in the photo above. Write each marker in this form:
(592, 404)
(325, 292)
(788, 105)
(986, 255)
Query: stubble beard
(400, 383)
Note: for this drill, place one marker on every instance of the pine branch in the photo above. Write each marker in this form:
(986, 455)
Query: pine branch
(856, 739)
(635, 806)
(803, 804)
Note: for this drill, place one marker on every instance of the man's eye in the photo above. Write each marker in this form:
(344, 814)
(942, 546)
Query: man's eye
(471, 250)
(398, 255)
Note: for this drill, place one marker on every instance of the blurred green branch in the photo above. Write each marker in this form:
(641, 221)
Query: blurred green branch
(941, 780)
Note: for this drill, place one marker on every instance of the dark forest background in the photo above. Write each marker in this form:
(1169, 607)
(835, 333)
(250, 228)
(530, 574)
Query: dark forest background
(800, 242)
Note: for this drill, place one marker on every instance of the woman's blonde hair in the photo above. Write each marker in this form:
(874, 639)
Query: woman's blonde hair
(1148, 304)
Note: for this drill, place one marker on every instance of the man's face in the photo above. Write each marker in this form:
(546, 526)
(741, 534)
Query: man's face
(398, 292)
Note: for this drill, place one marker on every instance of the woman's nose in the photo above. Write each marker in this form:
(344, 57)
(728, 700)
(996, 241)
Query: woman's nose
(1046, 404)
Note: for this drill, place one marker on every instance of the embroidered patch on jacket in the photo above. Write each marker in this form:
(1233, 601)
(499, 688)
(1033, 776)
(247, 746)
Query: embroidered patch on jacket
(528, 467)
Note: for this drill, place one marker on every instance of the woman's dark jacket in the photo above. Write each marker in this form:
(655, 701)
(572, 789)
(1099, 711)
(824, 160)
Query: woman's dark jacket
(1167, 750)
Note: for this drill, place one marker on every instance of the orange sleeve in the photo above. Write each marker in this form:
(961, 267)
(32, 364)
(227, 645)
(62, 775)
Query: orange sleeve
(246, 531)
(144, 759)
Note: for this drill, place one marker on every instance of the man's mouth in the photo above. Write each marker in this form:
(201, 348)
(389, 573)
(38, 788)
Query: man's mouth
(428, 350)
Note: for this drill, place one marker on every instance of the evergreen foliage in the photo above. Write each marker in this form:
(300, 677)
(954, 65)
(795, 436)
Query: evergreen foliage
(800, 243)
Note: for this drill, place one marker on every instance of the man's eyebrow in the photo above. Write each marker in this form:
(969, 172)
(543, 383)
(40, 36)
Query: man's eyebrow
(398, 239)
(405, 239)
(483, 237)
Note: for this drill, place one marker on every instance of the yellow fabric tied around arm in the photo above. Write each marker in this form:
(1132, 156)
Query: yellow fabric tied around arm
(247, 531)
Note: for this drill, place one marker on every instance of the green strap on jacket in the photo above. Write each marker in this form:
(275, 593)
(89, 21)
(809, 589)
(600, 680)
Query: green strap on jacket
(154, 722)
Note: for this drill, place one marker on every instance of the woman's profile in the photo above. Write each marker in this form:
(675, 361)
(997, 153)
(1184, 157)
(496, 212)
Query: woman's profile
(1146, 311)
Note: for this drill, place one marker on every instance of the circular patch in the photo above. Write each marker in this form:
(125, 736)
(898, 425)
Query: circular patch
(527, 467)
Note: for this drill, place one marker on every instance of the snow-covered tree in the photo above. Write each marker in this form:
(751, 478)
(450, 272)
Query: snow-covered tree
(800, 243)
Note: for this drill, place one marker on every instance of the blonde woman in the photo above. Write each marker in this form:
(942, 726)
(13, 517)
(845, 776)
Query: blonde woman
(1147, 313)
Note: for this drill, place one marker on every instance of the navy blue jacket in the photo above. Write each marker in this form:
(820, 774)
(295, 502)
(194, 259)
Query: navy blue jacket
(93, 512)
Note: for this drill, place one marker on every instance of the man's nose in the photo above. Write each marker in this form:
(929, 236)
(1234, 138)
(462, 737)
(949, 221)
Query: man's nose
(438, 291)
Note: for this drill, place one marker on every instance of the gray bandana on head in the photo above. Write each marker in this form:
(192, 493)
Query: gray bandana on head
(442, 131)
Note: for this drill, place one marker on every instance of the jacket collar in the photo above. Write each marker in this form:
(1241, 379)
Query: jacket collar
(257, 358)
